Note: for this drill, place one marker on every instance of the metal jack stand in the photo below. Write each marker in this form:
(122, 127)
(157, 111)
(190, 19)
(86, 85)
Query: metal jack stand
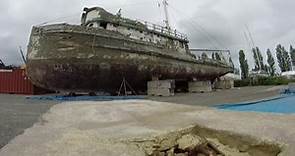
(124, 86)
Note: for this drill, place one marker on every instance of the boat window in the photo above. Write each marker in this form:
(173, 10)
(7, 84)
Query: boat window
(103, 25)
(181, 45)
(91, 25)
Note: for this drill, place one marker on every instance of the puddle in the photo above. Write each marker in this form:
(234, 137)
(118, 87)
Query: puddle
(199, 141)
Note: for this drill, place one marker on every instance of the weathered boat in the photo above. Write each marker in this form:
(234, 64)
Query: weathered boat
(105, 49)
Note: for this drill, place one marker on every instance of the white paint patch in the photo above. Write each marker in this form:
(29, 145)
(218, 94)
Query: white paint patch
(92, 15)
(91, 55)
(107, 57)
(35, 45)
(105, 66)
(66, 49)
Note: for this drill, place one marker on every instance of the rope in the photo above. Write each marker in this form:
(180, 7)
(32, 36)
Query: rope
(247, 40)
(250, 35)
(210, 38)
(93, 42)
(214, 45)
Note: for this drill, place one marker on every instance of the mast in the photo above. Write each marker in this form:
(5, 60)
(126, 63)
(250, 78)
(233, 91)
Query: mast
(165, 3)
(22, 54)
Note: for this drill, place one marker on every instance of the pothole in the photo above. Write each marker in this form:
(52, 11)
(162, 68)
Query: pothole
(199, 141)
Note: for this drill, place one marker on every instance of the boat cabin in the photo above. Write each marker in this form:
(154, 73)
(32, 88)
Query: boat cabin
(143, 31)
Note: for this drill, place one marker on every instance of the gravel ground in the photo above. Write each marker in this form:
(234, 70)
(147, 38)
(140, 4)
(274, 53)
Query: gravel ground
(18, 114)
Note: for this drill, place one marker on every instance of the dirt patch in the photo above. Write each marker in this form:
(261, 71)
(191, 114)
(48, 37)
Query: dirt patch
(199, 141)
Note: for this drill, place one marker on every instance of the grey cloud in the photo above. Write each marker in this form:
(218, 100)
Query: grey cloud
(19, 16)
(270, 21)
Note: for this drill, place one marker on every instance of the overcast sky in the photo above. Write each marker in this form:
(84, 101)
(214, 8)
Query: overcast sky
(208, 23)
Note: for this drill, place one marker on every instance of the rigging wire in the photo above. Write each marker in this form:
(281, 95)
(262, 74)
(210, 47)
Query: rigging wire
(196, 24)
(193, 24)
(160, 10)
(211, 36)
(247, 40)
(260, 66)
(250, 35)
(196, 29)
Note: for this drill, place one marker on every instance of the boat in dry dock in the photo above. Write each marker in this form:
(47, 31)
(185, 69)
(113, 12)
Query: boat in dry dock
(105, 49)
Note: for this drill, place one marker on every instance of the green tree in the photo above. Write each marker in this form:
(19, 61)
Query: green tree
(258, 59)
(284, 59)
(292, 54)
(271, 63)
(280, 58)
(288, 60)
(243, 64)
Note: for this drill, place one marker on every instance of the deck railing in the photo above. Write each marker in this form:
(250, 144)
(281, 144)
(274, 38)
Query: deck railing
(164, 30)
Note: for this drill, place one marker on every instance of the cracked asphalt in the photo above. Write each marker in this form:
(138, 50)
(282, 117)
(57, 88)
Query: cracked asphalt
(18, 113)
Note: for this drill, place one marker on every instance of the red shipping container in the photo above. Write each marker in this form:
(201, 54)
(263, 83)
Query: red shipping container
(16, 82)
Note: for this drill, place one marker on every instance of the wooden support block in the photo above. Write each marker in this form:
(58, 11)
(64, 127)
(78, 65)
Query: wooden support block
(224, 84)
(161, 88)
(200, 86)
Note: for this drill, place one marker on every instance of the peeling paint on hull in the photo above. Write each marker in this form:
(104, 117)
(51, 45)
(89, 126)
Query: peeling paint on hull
(78, 59)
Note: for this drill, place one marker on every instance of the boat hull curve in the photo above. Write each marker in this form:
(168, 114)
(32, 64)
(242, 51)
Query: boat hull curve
(76, 59)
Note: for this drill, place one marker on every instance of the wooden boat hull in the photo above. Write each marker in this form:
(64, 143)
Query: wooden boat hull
(77, 59)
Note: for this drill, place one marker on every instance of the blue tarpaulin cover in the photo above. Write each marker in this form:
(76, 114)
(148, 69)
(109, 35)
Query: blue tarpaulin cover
(284, 104)
(84, 98)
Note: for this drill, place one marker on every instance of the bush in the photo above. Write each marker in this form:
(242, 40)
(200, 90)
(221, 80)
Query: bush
(242, 83)
(263, 81)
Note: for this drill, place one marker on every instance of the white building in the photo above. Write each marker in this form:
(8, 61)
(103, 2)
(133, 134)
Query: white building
(289, 74)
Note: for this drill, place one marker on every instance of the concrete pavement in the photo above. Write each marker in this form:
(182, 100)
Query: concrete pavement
(100, 128)
(18, 114)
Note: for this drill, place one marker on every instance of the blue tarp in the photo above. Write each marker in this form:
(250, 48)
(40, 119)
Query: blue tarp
(288, 91)
(284, 104)
(84, 98)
